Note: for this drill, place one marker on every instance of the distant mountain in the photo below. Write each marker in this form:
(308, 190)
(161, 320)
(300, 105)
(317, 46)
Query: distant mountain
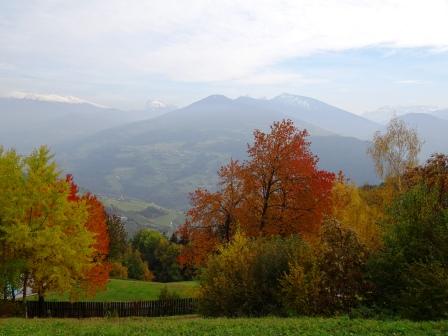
(29, 120)
(163, 159)
(385, 113)
(432, 130)
(443, 114)
(155, 108)
(55, 98)
(329, 117)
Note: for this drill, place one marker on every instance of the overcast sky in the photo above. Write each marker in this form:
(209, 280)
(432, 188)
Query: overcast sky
(356, 54)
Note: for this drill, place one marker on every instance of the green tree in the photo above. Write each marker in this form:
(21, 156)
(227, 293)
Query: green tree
(160, 254)
(136, 267)
(414, 260)
(118, 238)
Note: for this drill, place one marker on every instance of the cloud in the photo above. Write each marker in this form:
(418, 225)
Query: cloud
(205, 41)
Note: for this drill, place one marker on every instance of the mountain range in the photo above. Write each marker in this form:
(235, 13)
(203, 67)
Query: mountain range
(165, 158)
(30, 120)
(159, 154)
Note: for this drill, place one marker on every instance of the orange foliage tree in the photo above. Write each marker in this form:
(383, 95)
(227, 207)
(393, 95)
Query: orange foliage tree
(279, 190)
(98, 275)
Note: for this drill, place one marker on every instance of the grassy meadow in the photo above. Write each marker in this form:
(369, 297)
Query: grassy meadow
(192, 325)
(141, 214)
(134, 290)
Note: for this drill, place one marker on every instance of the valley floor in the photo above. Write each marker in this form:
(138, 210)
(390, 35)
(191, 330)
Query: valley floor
(193, 325)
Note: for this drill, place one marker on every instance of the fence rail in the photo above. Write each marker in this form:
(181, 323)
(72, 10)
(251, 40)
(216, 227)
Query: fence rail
(111, 309)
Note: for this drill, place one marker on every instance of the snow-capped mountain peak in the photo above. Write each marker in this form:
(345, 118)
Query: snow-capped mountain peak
(291, 99)
(156, 104)
(51, 98)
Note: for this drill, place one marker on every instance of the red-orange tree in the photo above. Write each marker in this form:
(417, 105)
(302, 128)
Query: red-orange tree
(98, 275)
(279, 190)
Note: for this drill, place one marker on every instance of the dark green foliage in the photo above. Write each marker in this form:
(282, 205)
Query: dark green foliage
(118, 244)
(137, 268)
(410, 273)
(425, 292)
(160, 254)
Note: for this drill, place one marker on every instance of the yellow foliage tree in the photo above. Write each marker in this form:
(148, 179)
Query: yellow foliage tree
(352, 210)
(41, 226)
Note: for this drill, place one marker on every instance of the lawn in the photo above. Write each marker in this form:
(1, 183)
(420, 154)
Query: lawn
(191, 325)
(133, 290)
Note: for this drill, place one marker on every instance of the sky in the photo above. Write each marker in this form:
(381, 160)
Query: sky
(355, 54)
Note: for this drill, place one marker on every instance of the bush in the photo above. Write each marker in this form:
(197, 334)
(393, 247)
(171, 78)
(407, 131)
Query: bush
(137, 268)
(410, 274)
(300, 289)
(244, 278)
(329, 281)
(341, 261)
(165, 294)
(118, 271)
(424, 295)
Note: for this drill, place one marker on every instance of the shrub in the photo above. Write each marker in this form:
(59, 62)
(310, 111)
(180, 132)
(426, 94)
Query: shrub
(341, 262)
(425, 292)
(410, 274)
(329, 281)
(137, 268)
(300, 289)
(165, 294)
(244, 278)
(118, 271)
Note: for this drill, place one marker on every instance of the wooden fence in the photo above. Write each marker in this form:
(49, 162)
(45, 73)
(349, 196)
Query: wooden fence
(111, 309)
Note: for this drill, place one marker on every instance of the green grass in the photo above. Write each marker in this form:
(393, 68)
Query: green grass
(133, 209)
(128, 204)
(191, 325)
(133, 290)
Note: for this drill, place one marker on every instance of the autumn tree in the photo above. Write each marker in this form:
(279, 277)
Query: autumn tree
(285, 192)
(434, 174)
(395, 151)
(279, 190)
(213, 216)
(353, 211)
(40, 226)
(11, 263)
(98, 275)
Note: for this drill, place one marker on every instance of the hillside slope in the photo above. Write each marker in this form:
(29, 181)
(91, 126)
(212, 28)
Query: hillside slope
(163, 159)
